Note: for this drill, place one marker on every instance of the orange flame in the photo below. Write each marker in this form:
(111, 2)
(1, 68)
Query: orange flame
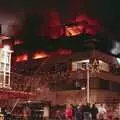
(39, 55)
(23, 57)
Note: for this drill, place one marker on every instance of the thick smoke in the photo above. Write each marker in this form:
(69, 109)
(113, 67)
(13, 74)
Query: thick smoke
(116, 48)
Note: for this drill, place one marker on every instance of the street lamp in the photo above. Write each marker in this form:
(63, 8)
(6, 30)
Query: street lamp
(91, 67)
(83, 88)
(88, 83)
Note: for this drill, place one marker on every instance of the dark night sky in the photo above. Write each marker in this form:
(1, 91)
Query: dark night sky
(106, 12)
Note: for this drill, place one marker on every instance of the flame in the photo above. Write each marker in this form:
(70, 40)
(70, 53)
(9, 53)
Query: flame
(74, 30)
(23, 57)
(39, 55)
(83, 21)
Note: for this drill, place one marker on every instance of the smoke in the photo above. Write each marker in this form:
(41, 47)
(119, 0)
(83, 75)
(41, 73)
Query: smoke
(31, 24)
(116, 48)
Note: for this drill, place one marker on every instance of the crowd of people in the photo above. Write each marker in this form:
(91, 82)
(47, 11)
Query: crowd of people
(71, 112)
(5, 114)
(88, 112)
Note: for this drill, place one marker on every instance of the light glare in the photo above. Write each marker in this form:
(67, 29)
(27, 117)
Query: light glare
(83, 88)
(6, 47)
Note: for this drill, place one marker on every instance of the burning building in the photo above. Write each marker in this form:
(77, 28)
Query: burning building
(63, 77)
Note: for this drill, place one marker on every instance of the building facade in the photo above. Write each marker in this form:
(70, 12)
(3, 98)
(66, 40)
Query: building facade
(63, 79)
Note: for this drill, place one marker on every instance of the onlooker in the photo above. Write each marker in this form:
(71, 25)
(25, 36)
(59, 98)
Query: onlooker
(1, 115)
(78, 113)
(87, 112)
(69, 112)
(94, 112)
(46, 113)
(101, 112)
(110, 113)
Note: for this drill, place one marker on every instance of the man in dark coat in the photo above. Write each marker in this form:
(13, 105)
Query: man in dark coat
(78, 113)
(94, 112)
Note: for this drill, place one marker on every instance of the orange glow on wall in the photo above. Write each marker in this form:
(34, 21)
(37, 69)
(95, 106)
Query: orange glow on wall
(39, 55)
(65, 52)
(91, 26)
(23, 57)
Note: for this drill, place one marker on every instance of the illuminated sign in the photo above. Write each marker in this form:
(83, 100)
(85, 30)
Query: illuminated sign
(95, 66)
(79, 65)
(103, 66)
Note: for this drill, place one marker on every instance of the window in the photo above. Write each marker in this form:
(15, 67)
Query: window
(78, 84)
(115, 87)
(7, 57)
(1, 66)
(1, 77)
(74, 67)
(7, 67)
(7, 80)
(104, 84)
(59, 67)
(62, 67)
(2, 56)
